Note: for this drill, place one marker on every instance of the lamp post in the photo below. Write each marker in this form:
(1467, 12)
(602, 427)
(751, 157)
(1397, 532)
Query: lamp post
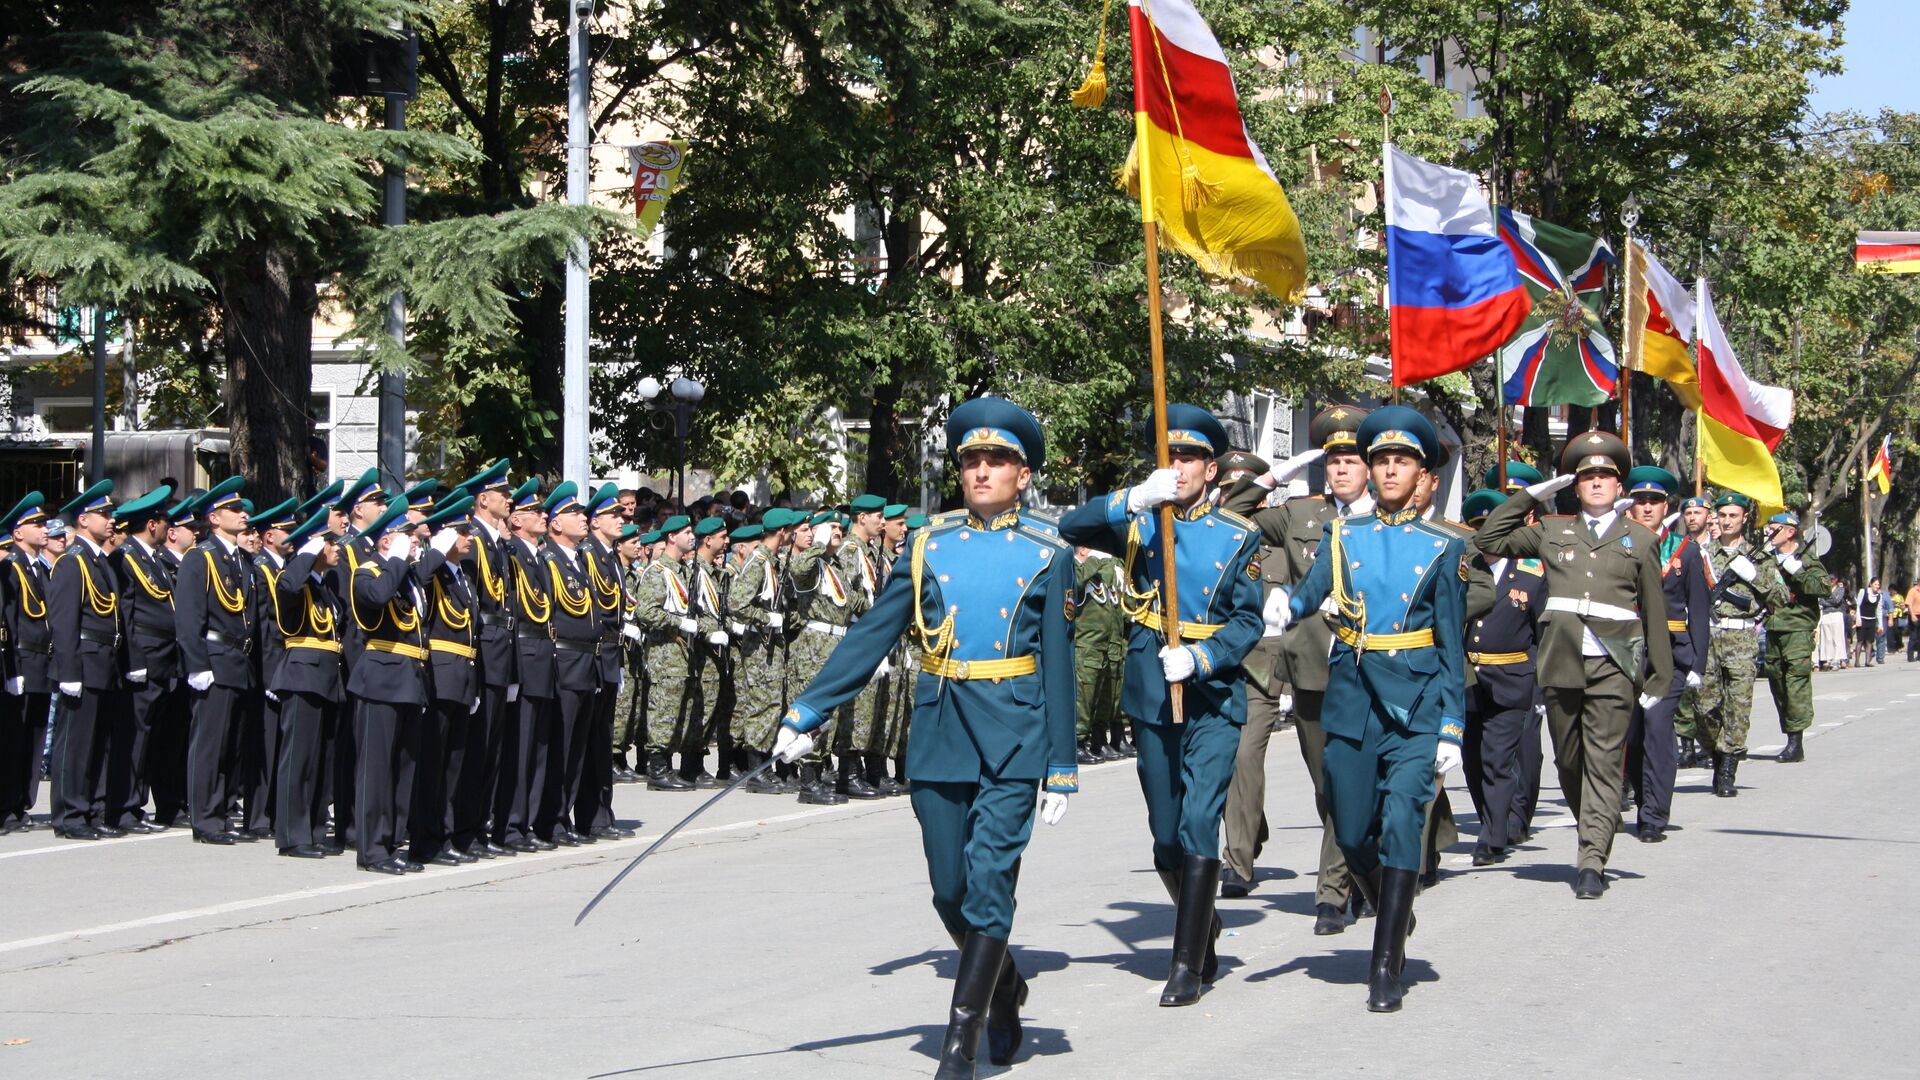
(685, 394)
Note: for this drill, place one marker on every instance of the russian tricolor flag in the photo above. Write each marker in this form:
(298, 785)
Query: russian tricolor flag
(1454, 294)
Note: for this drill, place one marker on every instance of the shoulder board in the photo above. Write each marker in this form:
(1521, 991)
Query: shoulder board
(1436, 529)
(1234, 519)
(1037, 520)
(1044, 538)
(1532, 566)
(947, 517)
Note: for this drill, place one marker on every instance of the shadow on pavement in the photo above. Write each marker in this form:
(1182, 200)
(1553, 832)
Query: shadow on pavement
(1346, 967)
(1815, 836)
(1040, 1042)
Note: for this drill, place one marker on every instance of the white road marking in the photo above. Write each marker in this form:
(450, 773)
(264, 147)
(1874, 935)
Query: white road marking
(90, 845)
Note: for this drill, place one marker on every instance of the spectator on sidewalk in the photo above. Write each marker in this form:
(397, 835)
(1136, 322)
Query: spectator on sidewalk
(1830, 640)
(1871, 607)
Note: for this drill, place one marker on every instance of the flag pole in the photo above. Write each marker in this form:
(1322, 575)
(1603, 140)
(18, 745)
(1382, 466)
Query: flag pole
(1162, 454)
(1499, 389)
(1629, 216)
(1866, 521)
(1386, 140)
(1699, 414)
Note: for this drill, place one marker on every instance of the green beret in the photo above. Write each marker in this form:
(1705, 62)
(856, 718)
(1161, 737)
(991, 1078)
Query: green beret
(917, 521)
(867, 504)
(1734, 498)
(747, 532)
(707, 526)
(629, 531)
(651, 536)
(777, 518)
(893, 510)
(674, 524)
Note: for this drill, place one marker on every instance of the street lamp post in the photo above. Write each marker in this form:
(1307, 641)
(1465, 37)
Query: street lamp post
(685, 394)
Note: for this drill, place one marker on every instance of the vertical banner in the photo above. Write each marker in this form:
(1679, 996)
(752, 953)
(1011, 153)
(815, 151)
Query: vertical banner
(656, 172)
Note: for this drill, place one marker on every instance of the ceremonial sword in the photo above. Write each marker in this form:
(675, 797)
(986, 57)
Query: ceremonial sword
(668, 835)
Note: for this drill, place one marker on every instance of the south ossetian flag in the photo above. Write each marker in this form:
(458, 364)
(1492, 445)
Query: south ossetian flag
(1741, 421)
(1454, 293)
(1888, 252)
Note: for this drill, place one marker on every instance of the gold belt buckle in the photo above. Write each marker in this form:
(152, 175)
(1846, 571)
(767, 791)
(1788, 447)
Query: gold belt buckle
(961, 671)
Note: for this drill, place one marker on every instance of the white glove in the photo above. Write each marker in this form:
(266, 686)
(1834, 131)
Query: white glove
(443, 540)
(717, 638)
(1160, 486)
(1053, 806)
(1286, 704)
(1290, 468)
(271, 696)
(1446, 759)
(1544, 488)
(790, 746)
(1790, 563)
(137, 676)
(473, 708)
(314, 546)
(400, 547)
(1648, 701)
(17, 685)
(631, 632)
(1276, 614)
(71, 689)
(688, 626)
(513, 691)
(1667, 522)
(1176, 662)
(776, 620)
(1622, 503)
(200, 680)
(885, 669)
(1693, 680)
(1743, 568)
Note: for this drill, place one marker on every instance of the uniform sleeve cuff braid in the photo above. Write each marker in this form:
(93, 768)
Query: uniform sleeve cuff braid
(1452, 730)
(802, 718)
(1063, 779)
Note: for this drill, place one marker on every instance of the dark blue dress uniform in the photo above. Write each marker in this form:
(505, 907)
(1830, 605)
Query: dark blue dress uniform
(440, 749)
(1502, 748)
(150, 652)
(213, 612)
(389, 687)
(354, 550)
(28, 656)
(260, 733)
(83, 611)
(577, 630)
(993, 718)
(1184, 768)
(593, 809)
(1396, 684)
(307, 616)
(1652, 755)
(481, 797)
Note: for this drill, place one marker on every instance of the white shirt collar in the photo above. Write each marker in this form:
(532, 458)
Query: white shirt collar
(98, 551)
(1600, 523)
(1361, 505)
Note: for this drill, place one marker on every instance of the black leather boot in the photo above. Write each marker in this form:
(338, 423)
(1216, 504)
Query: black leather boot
(1689, 753)
(1004, 1033)
(1194, 928)
(1733, 772)
(1395, 903)
(1794, 750)
(1085, 754)
(1723, 764)
(981, 958)
(661, 777)
(853, 780)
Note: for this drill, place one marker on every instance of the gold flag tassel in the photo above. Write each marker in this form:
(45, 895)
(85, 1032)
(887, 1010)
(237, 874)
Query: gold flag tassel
(1092, 91)
(1196, 191)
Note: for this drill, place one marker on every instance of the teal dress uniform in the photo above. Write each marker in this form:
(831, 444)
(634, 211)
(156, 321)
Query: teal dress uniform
(986, 602)
(1185, 768)
(1396, 684)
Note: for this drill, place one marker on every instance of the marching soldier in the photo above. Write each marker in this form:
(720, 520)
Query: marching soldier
(823, 609)
(1790, 629)
(151, 660)
(1745, 582)
(1293, 530)
(1099, 654)
(1651, 761)
(664, 610)
(1395, 709)
(1503, 698)
(707, 717)
(1696, 513)
(389, 687)
(307, 680)
(1603, 640)
(754, 604)
(213, 611)
(1185, 763)
(1245, 819)
(985, 593)
(83, 612)
(24, 578)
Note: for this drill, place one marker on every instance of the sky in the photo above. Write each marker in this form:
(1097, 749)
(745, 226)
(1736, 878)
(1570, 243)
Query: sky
(1879, 61)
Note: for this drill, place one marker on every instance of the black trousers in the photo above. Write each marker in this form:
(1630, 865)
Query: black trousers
(1653, 757)
(168, 725)
(129, 750)
(215, 710)
(440, 752)
(259, 751)
(384, 789)
(566, 765)
(1495, 772)
(79, 741)
(473, 789)
(525, 763)
(594, 808)
(299, 770)
(23, 736)
(346, 769)
(1532, 756)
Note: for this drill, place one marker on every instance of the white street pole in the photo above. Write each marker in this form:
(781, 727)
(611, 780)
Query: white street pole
(574, 414)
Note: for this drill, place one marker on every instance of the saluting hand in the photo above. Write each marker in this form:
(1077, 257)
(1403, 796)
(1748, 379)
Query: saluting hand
(1160, 486)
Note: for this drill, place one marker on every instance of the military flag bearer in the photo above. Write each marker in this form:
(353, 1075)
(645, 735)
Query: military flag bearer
(1790, 629)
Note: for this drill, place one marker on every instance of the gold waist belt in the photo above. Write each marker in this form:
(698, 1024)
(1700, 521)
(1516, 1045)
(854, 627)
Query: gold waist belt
(1677, 626)
(398, 648)
(324, 644)
(1189, 631)
(1497, 658)
(453, 647)
(979, 669)
(1412, 639)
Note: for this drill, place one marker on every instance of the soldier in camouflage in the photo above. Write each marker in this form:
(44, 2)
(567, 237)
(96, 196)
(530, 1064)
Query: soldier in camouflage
(663, 606)
(1745, 581)
(819, 612)
(629, 708)
(757, 619)
(706, 582)
(1099, 653)
(862, 724)
(1790, 630)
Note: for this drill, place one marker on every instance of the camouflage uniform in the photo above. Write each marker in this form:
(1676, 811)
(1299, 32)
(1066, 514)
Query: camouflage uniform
(862, 724)
(1724, 705)
(661, 600)
(818, 612)
(707, 687)
(1790, 630)
(753, 596)
(1099, 650)
(629, 707)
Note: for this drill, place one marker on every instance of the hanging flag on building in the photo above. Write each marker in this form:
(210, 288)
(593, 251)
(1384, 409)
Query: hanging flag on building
(1659, 325)
(1454, 294)
(1881, 471)
(1561, 355)
(656, 172)
(1888, 252)
(1207, 183)
(1741, 421)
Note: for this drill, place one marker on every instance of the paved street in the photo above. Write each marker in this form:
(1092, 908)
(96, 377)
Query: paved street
(1767, 937)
